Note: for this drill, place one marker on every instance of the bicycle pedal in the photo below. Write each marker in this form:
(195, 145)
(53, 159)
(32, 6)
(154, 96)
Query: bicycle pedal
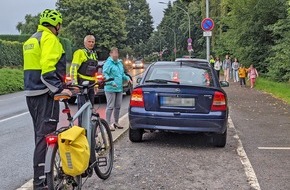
(102, 161)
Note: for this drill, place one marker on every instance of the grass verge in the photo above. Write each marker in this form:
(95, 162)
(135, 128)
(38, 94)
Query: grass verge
(278, 90)
(11, 80)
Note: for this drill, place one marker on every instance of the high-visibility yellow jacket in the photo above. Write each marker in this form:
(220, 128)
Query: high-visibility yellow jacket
(44, 63)
(80, 58)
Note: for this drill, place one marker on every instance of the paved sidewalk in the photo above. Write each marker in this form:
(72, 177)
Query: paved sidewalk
(116, 134)
(263, 125)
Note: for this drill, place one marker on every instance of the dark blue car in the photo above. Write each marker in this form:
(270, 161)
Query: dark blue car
(182, 96)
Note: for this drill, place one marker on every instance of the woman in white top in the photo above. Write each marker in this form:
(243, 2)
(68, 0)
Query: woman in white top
(235, 67)
(217, 66)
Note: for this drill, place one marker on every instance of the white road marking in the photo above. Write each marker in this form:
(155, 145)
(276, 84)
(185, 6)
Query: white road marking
(6, 119)
(250, 173)
(274, 148)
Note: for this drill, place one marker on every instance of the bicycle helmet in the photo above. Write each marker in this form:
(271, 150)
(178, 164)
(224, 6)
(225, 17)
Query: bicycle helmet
(52, 17)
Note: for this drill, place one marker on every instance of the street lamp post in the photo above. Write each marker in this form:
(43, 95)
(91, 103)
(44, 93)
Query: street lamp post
(174, 40)
(189, 36)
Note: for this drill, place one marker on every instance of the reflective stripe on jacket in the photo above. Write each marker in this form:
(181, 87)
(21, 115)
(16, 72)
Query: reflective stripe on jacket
(44, 63)
(80, 56)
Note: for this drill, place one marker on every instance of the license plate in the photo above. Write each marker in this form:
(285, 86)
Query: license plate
(177, 102)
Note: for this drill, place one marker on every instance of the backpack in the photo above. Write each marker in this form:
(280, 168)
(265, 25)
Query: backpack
(74, 151)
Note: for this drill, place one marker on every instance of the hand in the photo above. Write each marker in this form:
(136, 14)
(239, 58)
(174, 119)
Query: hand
(66, 91)
(130, 81)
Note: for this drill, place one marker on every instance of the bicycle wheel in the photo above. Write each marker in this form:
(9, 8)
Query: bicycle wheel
(56, 179)
(102, 149)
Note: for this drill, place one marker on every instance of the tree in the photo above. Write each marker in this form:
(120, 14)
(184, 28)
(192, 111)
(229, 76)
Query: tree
(245, 36)
(105, 19)
(139, 23)
(29, 26)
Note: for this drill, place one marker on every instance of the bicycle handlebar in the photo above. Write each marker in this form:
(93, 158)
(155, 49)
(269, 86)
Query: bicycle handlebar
(64, 96)
(91, 85)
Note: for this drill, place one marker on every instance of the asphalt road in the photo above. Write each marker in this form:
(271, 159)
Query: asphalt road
(256, 155)
(17, 141)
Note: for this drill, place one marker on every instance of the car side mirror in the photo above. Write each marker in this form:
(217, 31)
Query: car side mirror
(138, 80)
(224, 84)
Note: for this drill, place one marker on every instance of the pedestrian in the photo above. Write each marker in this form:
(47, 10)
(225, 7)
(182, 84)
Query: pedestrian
(217, 66)
(242, 74)
(252, 74)
(113, 68)
(84, 67)
(44, 71)
(212, 61)
(235, 68)
(226, 68)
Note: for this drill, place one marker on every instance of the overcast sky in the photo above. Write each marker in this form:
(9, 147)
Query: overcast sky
(14, 11)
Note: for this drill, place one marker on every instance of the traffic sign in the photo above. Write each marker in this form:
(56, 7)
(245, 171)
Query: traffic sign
(207, 24)
(207, 33)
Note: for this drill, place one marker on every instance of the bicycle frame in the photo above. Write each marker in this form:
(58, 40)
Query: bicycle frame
(86, 112)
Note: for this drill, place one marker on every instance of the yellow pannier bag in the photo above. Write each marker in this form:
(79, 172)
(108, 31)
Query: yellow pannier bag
(74, 151)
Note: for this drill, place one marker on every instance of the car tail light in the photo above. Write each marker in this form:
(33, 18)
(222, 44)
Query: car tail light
(99, 77)
(67, 79)
(219, 102)
(51, 139)
(137, 99)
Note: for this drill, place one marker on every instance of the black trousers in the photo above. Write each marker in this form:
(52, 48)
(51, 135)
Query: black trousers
(242, 81)
(45, 116)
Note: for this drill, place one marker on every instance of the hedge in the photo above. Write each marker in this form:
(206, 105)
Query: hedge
(11, 80)
(10, 54)
(11, 49)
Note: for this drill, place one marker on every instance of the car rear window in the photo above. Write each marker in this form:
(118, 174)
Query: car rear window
(184, 74)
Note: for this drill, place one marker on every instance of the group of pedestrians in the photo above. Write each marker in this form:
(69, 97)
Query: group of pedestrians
(234, 70)
(44, 76)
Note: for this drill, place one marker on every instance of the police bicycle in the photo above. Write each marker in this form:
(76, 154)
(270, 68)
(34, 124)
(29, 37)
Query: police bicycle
(99, 138)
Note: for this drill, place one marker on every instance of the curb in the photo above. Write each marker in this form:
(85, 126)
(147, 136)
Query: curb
(116, 134)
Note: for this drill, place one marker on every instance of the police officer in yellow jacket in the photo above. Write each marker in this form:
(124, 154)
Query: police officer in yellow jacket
(84, 67)
(44, 71)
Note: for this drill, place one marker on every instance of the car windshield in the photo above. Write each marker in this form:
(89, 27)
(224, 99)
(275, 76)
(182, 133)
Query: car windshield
(183, 74)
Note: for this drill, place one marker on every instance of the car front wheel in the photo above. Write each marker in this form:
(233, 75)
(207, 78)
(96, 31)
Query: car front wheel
(220, 140)
(135, 135)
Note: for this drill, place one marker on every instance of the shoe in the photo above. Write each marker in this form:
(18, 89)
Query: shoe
(39, 186)
(112, 127)
(117, 125)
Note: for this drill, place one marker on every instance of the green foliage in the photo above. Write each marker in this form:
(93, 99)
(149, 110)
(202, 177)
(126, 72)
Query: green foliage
(279, 90)
(139, 23)
(29, 26)
(10, 54)
(18, 38)
(9, 86)
(17, 54)
(105, 19)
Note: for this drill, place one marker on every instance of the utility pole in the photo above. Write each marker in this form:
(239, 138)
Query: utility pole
(208, 37)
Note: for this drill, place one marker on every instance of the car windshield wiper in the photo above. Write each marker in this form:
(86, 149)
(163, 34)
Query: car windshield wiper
(162, 81)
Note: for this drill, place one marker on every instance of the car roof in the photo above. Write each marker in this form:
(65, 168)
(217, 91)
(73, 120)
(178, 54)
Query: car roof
(191, 59)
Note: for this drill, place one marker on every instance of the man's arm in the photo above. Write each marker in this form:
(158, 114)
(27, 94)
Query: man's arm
(51, 53)
(76, 63)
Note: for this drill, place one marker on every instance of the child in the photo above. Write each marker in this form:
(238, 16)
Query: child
(252, 74)
(242, 75)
